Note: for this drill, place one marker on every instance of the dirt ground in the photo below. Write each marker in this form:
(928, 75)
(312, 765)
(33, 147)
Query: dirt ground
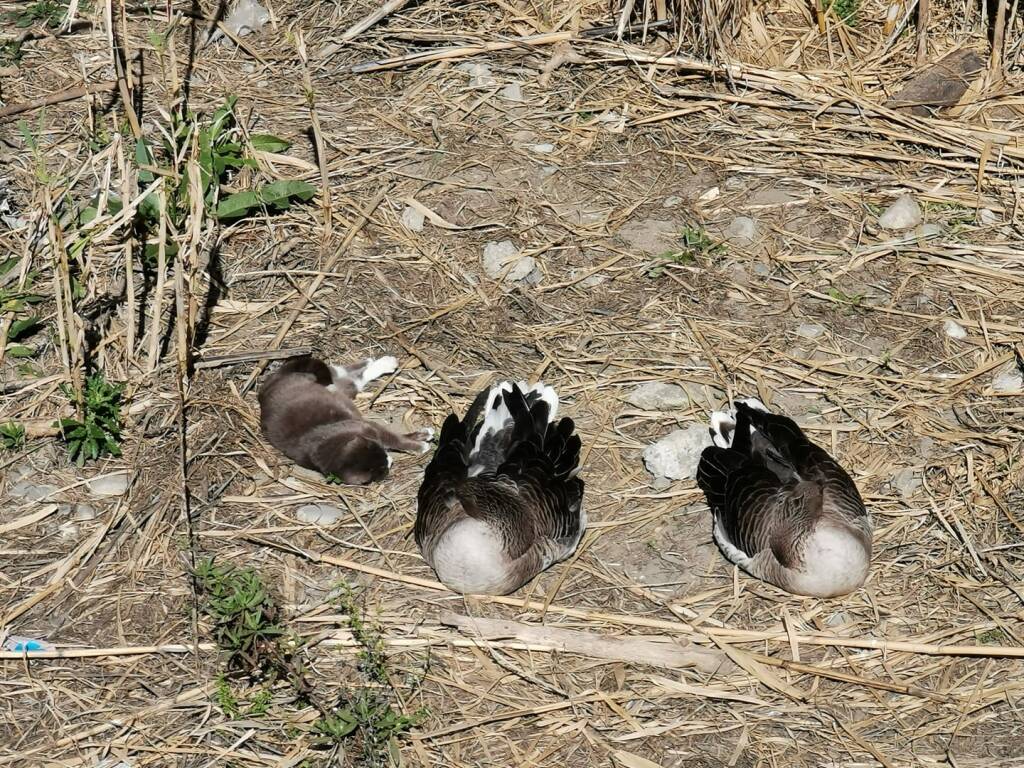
(718, 231)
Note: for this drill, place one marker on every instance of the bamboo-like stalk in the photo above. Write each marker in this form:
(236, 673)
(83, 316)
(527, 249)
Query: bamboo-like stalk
(318, 139)
(156, 316)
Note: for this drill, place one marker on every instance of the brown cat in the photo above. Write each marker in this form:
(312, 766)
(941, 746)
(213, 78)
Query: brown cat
(308, 413)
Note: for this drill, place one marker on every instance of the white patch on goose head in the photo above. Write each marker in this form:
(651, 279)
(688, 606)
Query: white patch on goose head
(754, 404)
(723, 428)
(496, 416)
(470, 558)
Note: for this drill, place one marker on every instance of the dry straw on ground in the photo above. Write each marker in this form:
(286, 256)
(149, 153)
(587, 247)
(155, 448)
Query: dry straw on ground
(592, 155)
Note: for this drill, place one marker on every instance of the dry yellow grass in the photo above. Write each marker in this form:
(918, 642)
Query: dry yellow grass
(613, 149)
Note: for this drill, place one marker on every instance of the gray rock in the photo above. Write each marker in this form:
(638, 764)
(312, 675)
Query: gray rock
(543, 148)
(761, 269)
(658, 396)
(677, 454)
(512, 92)
(318, 514)
(905, 213)
(499, 257)
(672, 201)
(742, 231)
(412, 219)
(84, 513)
(114, 484)
(26, 489)
(810, 330)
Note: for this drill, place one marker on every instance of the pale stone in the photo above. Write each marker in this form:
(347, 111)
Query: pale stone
(905, 213)
(318, 514)
(677, 455)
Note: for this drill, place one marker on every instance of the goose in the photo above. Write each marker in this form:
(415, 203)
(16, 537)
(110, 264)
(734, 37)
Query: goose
(500, 500)
(784, 510)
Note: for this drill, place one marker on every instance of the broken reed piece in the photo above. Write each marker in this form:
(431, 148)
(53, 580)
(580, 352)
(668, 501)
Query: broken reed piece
(465, 51)
(940, 85)
(235, 358)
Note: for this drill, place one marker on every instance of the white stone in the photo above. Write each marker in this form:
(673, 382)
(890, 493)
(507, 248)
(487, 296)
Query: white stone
(658, 396)
(671, 201)
(68, 530)
(246, 17)
(612, 121)
(1008, 380)
(742, 231)
(810, 330)
(712, 194)
(512, 92)
(987, 217)
(26, 489)
(318, 514)
(543, 149)
(412, 219)
(479, 74)
(953, 329)
(114, 484)
(497, 258)
(677, 455)
(905, 213)
(84, 513)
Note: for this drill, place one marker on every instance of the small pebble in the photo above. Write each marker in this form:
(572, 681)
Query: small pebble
(987, 217)
(26, 489)
(742, 231)
(953, 329)
(68, 530)
(512, 92)
(114, 484)
(543, 149)
(712, 194)
(84, 513)
(412, 219)
(498, 256)
(672, 201)
(810, 330)
(318, 514)
(905, 213)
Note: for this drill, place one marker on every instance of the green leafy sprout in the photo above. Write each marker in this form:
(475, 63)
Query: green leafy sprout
(97, 430)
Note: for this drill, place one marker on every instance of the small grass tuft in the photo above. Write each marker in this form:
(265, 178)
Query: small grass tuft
(12, 436)
(97, 430)
(695, 244)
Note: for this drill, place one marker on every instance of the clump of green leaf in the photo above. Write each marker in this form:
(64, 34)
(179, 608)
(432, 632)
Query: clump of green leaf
(97, 430)
(694, 244)
(222, 153)
(853, 299)
(49, 12)
(245, 618)
(369, 718)
(19, 300)
(366, 715)
(226, 699)
(11, 52)
(845, 10)
(12, 436)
